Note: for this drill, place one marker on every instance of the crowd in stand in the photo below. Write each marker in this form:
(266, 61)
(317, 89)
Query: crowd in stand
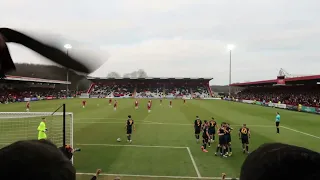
(293, 95)
(9, 93)
(150, 91)
(200, 91)
(103, 90)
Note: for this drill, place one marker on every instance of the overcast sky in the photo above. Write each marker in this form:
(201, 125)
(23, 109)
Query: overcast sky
(180, 38)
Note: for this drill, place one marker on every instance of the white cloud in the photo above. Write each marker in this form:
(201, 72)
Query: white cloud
(181, 37)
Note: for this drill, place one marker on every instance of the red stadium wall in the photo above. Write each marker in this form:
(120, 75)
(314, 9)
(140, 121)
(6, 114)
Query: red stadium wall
(91, 87)
(210, 90)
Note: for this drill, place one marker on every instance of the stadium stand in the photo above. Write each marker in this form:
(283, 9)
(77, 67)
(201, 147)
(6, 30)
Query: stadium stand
(296, 91)
(150, 87)
(51, 72)
(19, 89)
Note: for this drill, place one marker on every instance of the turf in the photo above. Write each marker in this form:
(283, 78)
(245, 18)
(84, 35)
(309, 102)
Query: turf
(163, 137)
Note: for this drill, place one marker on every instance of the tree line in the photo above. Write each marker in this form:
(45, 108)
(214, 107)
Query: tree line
(135, 74)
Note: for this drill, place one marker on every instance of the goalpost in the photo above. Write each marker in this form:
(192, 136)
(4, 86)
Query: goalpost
(16, 126)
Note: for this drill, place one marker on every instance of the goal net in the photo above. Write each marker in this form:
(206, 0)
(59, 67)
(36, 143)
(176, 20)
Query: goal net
(16, 126)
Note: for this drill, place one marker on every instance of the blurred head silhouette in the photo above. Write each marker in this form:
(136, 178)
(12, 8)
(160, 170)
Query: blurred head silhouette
(34, 159)
(276, 161)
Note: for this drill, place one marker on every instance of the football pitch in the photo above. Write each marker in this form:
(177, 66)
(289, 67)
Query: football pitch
(164, 145)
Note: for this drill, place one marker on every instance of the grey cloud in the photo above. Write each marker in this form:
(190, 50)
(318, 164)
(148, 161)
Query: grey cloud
(190, 35)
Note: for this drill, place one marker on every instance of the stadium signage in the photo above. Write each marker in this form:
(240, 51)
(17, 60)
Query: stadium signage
(248, 101)
(308, 109)
(211, 98)
(293, 108)
(34, 99)
(281, 106)
(285, 106)
(50, 97)
(26, 99)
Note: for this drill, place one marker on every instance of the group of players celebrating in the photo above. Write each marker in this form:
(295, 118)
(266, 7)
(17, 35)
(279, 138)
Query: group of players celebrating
(210, 128)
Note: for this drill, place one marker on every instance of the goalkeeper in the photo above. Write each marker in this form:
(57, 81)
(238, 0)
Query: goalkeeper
(42, 129)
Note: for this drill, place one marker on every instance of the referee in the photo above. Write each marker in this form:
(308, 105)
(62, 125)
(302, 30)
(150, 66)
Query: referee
(278, 122)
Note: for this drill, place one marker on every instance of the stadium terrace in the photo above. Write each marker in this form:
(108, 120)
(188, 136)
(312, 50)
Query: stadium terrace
(149, 88)
(294, 93)
(18, 88)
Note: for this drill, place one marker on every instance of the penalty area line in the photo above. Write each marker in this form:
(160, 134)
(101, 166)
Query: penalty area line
(133, 145)
(152, 176)
(194, 163)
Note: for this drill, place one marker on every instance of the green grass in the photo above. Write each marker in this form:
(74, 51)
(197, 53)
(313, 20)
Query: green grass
(170, 132)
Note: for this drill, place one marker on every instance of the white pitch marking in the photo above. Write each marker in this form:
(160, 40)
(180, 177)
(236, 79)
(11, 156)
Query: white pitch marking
(194, 163)
(153, 176)
(158, 123)
(125, 145)
(307, 134)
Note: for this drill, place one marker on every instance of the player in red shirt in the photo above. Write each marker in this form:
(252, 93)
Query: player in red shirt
(110, 101)
(84, 103)
(28, 106)
(149, 106)
(115, 105)
(136, 104)
(160, 102)
(170, 104)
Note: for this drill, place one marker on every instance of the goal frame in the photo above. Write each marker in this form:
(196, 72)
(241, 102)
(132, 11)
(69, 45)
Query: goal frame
(35, 114)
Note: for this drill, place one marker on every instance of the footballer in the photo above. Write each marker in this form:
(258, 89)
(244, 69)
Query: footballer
(149, 106)
(136, 104)
(28, 106)
(84, 103)
(228, 139)
(222, 141)
(212, 130)
(115, 105)
(129, 127)
(197, 128)
(205, 136)
(244, 136)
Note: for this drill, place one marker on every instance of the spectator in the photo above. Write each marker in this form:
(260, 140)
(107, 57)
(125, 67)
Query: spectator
(36, 160)
(94, 177)
(276, 161)
(292, 95)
